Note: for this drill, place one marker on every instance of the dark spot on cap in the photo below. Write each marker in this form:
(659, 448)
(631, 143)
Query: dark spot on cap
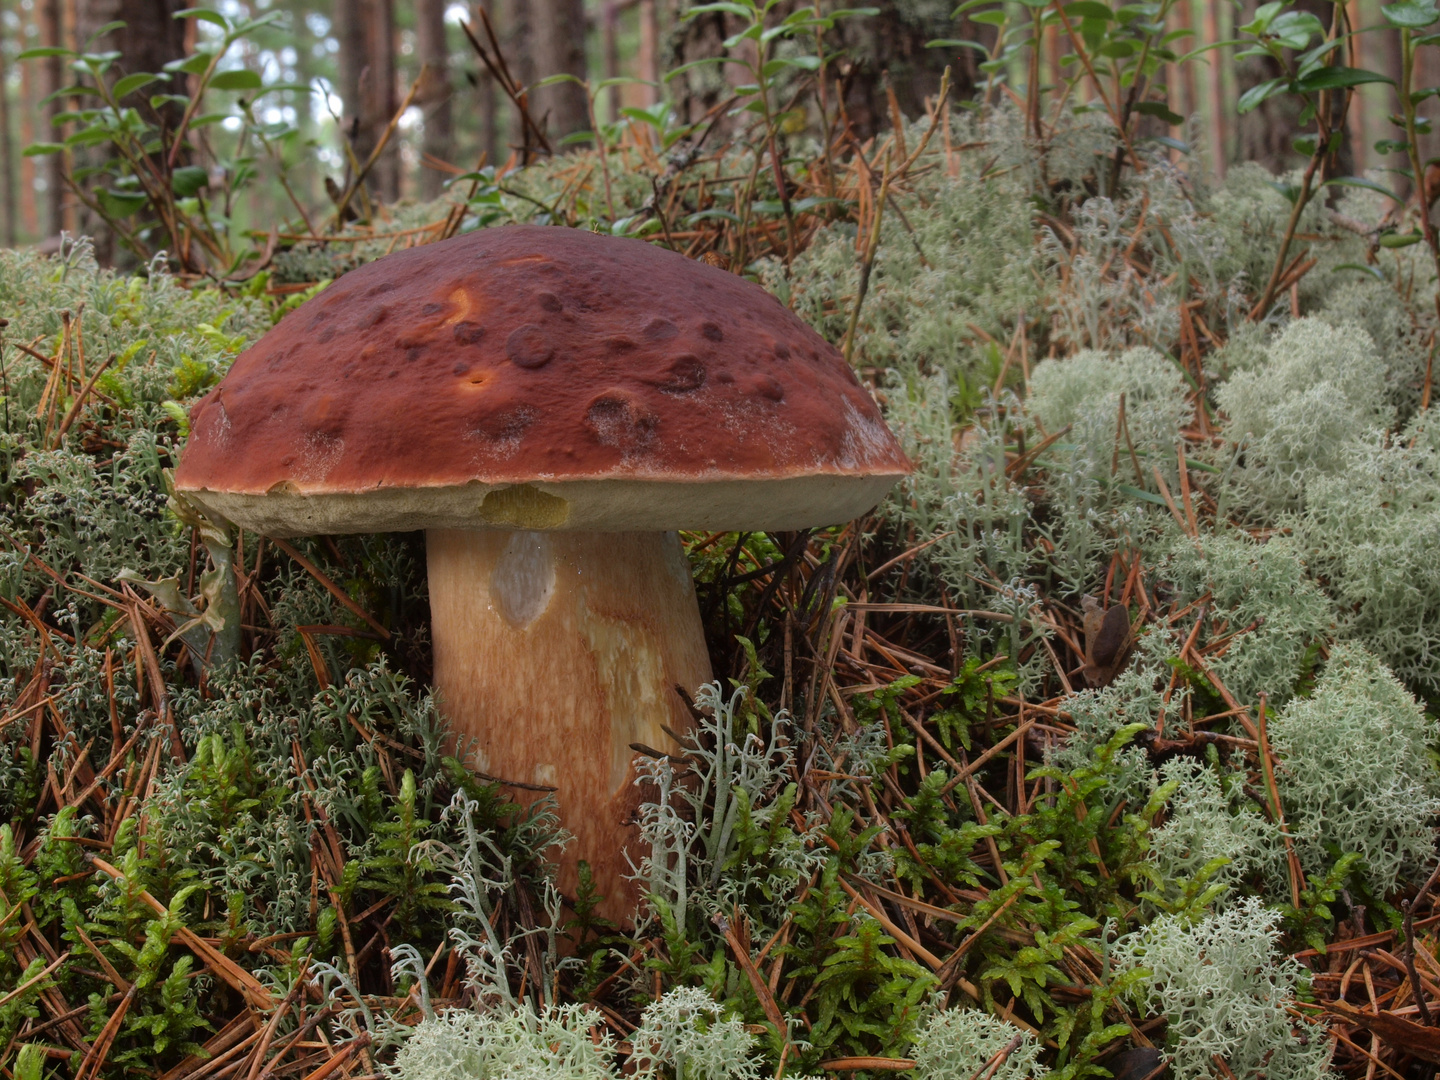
(326, 336)
(461, 368)
(686, 375)
(383, 287)
(432, 309)
(319, 318)
(348, 370)
(618, 420)
(725, 378)
(376, 317)
(620, 343)
(505, 425)
(415, 352)
(468, 333)
(770, 387)
(659, 329)
(528, 347)
(782, 351)
(711, 332)
(393, 373)
(550, 302)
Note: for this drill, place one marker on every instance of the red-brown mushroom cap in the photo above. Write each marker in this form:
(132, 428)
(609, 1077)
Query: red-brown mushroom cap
(541, 378)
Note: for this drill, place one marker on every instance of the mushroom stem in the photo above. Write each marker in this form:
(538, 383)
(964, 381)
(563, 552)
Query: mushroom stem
(555, 654)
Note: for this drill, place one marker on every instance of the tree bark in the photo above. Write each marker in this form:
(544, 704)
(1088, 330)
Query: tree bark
(149, 38)
(486, 91)
(433, 52)
(557, 45)
(888, 45)
(366, 29)
(54, 35)
(7, 150)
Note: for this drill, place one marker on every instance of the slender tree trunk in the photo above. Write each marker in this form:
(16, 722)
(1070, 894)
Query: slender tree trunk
(648, 60)
(54, 34)
(557, 44)
(366, 29)
(7, 149)
(518, 41)
(29, 111)
(489, 104)
(1215, 93)
(433, 50)
(610, 27)
(148, 38)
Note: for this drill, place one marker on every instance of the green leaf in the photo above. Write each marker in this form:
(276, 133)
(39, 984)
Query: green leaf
(1386, 146)
(241, 79)
(42, 53)
(1338, 78)
(556, 80)
(110, 27)
(1290, 191)
(621, 80)
(1373, 271)
(745, 11)
(1411, 14)
(120, 204)
(956, 43)
(42, 149)
(205, 15)
(1257, 95)
(130, 83)
(1264, 15)
(1137, 493)
(188, 179)
(192, 65)
(1160, 109)
(1089, 9)
(1400, 240)
(1361, 182)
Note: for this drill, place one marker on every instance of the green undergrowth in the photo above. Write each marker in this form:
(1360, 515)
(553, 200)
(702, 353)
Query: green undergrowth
(280, 787)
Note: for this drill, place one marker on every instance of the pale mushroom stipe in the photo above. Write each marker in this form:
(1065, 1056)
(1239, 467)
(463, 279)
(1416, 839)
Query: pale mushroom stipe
(551, 405)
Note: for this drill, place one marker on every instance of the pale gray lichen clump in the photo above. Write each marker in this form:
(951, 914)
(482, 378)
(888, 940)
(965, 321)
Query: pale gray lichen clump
(1322, 388)
(1209, 819)
(1224, 987)
(1355, 772)
(959, 1043)
(520, 1044)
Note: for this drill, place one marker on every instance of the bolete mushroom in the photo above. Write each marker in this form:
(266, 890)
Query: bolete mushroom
(550, 405)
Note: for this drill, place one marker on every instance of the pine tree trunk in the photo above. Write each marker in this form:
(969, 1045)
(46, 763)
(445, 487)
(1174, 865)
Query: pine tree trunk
(891, 44)
(557, 46)
(8, 209)
(53, 31)
(149, 38)
(367, 86)
(432, 49)
(486, 92)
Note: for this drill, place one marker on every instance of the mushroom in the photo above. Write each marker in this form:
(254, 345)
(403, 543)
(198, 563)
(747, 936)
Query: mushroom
(550, 405)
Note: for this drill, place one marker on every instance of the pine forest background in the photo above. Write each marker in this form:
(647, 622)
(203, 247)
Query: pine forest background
(356, 59)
